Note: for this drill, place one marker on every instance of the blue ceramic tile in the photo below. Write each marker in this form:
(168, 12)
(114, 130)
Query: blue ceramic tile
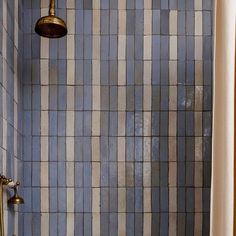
(113, 200)
(87, 155)
(52, 148)
(190, 223)
(104, 67)
(129, 149)
(53, 174)
(62, 224)
(163, 174)
(87, 123)
(113, 126)
(155, 200)
(181, 48)
(113, 174)
(181, 200)
(113, 48)
(104, 219)
(78, 149)
(79, 174)
(62, 172)
(53, 123)
(130, 47)
(130, 200)
(87, 176)
(130, 224)
(163, 123)
(155, 174)
(62, 65)
(87, 70)
(139, 21)
(36, 174)
(181, 97)
(189, 123)
(189, 174)
(104, 123)
(190, 148)
(53, 204)
(87, 47)
(104, 47)
(27, 173)
(173, 4)
(104, 174)
(207, 143)
(130, 21)
(138, 178)
(138, 199)
(155, 149)
(113, 98)
(190, 73)
(113, 72)
(156, 4)
(87, 21)
(207, 4)
(138, 41)
(113, 27)
(88, 224)
(62, 44)
(190, 22)
(130, 71)
(79, 23)
(79, 224)
(61, 125)
(181, 150)
(164, 219)
(207, 50)
(87, 199)
(156, 47)
(79, 200)
(104, 199)
(190, 47)
(28, 224)
(181, 174)
(138, 148)
(113, 224)
(62, 97)
(139, 77)
(87, 4)
(62, 200)
(130, 98)
(36, 149)
(53, 222)
(104, 4)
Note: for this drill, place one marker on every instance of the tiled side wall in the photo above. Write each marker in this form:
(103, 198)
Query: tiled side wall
(11, 58)
(117, 119)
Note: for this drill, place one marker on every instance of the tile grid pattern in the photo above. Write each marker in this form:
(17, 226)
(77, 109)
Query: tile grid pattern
(118, 115)
(11, 104)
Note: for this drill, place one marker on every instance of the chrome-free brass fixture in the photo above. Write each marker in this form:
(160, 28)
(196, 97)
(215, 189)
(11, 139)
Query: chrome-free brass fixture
(16, 199)
(51, 26)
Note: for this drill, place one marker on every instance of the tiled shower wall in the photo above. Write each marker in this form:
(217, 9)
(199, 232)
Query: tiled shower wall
(117, 119)
(11, 58)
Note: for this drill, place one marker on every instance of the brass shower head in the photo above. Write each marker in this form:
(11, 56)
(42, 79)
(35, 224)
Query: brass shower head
(51, 26)
(16, 199)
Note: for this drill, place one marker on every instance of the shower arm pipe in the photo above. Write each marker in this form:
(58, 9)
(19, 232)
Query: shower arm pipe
(52, 8)
(3, 181)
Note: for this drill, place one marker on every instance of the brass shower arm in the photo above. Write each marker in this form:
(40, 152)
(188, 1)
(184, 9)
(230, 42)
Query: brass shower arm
(52, 8)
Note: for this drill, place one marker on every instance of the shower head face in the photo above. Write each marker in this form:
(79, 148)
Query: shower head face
(51, 27)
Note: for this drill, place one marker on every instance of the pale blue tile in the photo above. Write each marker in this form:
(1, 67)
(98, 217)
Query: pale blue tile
(79, 200)
(130, 149)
